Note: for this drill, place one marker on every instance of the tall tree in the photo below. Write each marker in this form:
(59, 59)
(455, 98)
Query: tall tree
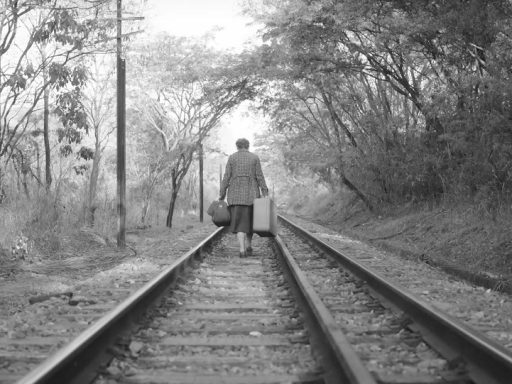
(98, 102)
(429, 71)
(188, 88)
(66, 30)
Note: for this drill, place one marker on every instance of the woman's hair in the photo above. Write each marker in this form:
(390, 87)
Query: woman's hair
(242, 144)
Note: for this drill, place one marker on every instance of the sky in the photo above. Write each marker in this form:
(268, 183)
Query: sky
(194, 18)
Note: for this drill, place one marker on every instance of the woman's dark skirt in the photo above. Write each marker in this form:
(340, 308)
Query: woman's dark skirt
(241, 218)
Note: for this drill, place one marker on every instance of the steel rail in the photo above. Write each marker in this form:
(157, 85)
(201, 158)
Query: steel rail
(486, 361)
(78, 361)
(343, 361)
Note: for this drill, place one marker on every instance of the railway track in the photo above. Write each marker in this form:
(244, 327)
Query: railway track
(407, 329)
(228, 318)
(296, 312)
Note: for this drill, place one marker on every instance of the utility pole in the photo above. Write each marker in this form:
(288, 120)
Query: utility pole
(201, 208)
(2, 20)
(46, 116)
(121, 134)
(220, 175)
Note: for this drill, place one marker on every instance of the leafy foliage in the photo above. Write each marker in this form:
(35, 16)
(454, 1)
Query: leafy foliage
(409, 100)
(72, 115)
(188, 87)
(42, 43)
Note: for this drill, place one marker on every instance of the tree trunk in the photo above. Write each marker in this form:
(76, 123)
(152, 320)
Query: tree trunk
(46, 132)
(174, 195)
(25, 184)
(434, 129)
(146, 203)
(356, 190)
(93, 184)
(177, 175)
(38, 169)
(3, 195)
(18, 184)
(337, 122)
(145, 209)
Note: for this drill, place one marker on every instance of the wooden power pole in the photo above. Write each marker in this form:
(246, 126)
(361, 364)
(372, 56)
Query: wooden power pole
(201, 207)
(121, 134)
(220, 175)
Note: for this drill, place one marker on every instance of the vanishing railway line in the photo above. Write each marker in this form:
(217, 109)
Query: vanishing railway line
(229, 318)
(295, 312)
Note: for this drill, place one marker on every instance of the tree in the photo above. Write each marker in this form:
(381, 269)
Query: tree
(98, 103)
(63, 30)
(308, 111)
(398, 77)
(188, 88)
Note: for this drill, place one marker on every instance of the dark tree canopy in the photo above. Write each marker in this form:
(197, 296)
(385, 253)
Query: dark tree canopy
(409, 99)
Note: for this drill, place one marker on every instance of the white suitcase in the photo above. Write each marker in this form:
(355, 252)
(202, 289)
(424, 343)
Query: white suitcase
(264, 221)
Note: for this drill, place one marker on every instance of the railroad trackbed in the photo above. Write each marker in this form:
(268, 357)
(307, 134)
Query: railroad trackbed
(296, 311)
(231, 318)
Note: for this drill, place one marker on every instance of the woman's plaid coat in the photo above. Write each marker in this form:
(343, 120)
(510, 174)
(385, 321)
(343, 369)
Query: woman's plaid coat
(243, 179)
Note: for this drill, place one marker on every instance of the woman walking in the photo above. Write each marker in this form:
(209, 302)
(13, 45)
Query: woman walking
(243, 180)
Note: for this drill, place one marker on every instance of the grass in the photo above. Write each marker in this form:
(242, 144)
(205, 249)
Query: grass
(43, 219)
(12, 222)
(474, 236)
(49, 221)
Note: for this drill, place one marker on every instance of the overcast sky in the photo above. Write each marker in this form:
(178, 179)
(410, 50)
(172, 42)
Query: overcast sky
(196, 17)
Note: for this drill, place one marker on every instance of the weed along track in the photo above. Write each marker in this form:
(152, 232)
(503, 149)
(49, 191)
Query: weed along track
(296, 311)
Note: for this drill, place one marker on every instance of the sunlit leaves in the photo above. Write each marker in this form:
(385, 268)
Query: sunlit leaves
(66, 27)
(61, 75)
(85, 153)
(74, 121)
(80, 169)
(66, 150)
(71, 111)
(40, 41)
(17, 81)
(68, 135)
